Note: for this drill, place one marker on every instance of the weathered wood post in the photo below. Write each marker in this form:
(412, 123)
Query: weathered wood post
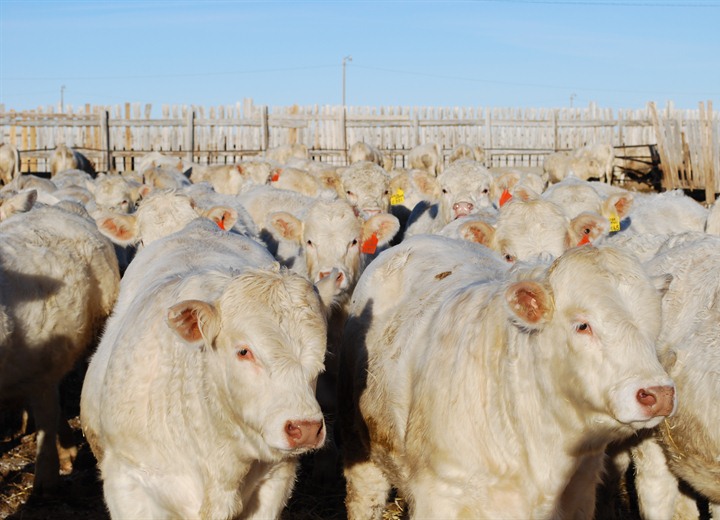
(189, 134)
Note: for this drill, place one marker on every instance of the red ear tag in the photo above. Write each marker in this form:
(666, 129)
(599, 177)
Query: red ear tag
(505, 197)
(584, 240)
(221, 223)
(275, 176)
(370, 245)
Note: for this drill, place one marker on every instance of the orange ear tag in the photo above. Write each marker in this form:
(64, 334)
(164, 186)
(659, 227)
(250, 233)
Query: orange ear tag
(505, 197)
(370, 245)
(275, 176)
(221, 223)
(584, 240)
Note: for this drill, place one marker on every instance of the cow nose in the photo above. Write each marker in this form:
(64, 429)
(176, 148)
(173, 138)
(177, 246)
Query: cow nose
(658, 400)
(324, 274)
(462, 208)
(305, 434)
(371, 211)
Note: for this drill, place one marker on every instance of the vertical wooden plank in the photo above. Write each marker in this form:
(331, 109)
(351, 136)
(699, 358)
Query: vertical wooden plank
(669, 172)
(264, 128)
(189, 135)
(104, 120)
(707, 147)
(343, 134)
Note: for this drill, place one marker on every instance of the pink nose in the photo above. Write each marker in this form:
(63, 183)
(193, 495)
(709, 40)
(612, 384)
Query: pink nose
(462, 208)
(305, 434)
(371, 211)
(325, 274)
(658, 400)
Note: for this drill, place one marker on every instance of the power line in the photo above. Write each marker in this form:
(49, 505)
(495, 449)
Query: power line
(605, 3)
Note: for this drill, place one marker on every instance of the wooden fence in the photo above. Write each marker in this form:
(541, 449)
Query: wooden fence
(687, 141)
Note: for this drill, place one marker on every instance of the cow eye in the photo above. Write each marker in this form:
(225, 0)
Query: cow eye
(583, 328)
(387, 192)
(444, 190)
(309, 242)
(586, 231)
(509, 258)
(354, 242)
(349, 192)
(486, 190)
(245, 353)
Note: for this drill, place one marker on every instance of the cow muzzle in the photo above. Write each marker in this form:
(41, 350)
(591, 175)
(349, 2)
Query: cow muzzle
(657, 401)
(305, 434)
(462, 209)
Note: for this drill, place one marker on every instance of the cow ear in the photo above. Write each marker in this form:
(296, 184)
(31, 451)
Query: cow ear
(19, 203)
(194, 321)
(477, 231)
(286, 225)
(328, 287)
(618, 204)
(525, 194)
(662, 282)
(530, 304)
(121, 229)
(507, 181)
(586, 227)
(426, 184)
(383, 225)
(224, 216)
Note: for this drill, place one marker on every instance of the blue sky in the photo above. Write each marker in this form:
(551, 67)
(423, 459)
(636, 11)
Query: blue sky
(485, 53)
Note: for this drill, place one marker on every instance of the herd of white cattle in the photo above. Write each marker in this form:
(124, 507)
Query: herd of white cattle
(479, 340)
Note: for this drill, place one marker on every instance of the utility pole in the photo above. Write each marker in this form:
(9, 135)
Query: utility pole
(62, 100)
(344, 61)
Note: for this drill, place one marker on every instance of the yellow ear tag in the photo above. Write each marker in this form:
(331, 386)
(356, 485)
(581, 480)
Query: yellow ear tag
(398, 198)
(614, 223)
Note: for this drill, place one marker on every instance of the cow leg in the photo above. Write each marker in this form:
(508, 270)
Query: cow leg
(45, 407)
(367, 491)
(67, 450)
(715, 511)
(126, 498)
(273, 493)
(657, 488)
(578, 499)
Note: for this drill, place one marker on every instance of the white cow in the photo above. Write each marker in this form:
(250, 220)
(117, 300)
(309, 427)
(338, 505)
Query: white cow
(9, 163)
(465, 188)
(283, 153)
(228, 179)
(483, 393)
(302, 181)
(64, 158)
(366, 186)
(466, 151)
(60, 279)
(686, 447)
(200, 397)
(587, 162)
(115, 193)
(331, 236)
(365, 152)
(712, 224)
(160, 160)
(13, 202)
(427, 157)
(158, 215)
